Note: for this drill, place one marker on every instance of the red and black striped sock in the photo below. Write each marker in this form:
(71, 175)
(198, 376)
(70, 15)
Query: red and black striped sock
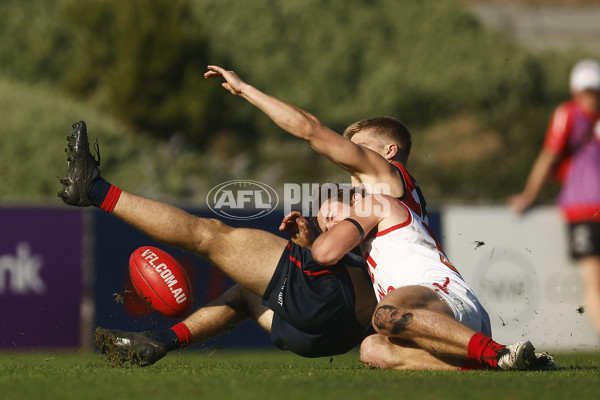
(183, 334)
(484, 350)
(104, 195)
(176, 337)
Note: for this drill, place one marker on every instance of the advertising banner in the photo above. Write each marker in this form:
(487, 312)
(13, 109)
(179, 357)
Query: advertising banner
(40, 277)
(520, 269)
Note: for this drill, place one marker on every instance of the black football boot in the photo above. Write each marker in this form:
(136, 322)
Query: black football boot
(136, 347)
(82, 167)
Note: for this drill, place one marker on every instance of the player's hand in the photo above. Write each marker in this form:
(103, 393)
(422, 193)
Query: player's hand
(233, 83)
(298, 228)
(519, 203)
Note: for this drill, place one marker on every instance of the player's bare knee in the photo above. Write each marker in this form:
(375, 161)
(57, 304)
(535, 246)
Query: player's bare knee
(373, 352)
(368, 351)
(236, 300)
(207, 232)
(391, 320)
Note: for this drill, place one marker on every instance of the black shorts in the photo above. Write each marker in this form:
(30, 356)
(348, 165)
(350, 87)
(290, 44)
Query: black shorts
(313, 306)
(584, 239)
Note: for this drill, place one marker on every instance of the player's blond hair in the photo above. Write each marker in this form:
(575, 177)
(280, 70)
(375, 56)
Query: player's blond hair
(387, 130)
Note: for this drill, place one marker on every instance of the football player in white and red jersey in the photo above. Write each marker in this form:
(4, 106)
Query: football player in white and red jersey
(571, 155)
(427, 316)
(391, 140)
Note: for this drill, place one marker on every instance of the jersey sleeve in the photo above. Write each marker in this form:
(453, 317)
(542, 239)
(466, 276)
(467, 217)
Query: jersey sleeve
(558, 130)
(413, 197)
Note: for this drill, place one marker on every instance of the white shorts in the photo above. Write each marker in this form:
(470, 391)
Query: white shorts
(462, 301)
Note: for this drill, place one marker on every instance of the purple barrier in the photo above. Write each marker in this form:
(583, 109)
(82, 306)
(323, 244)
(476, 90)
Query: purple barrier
(40, 277)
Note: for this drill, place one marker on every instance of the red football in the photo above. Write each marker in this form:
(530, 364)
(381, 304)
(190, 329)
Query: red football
(160, 281)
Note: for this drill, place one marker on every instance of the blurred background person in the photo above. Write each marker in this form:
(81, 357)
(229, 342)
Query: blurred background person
(570, 155)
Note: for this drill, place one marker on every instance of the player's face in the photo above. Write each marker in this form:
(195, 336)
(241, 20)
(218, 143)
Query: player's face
(332, 212)
(366, 139)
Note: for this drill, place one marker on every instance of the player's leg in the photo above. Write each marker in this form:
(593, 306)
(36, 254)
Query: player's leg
(224, 313)
(383, 352)
(584, 243)
(589, 268)
(248, 256)
(216, 317)
(416, 314)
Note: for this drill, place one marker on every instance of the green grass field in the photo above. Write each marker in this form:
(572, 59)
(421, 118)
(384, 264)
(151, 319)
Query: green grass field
(229, 374)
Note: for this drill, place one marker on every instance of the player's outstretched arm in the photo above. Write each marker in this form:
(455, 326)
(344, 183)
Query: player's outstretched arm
(355, 159)
(542, 166)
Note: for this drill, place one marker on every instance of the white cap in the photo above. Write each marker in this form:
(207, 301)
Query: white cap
(585, 75)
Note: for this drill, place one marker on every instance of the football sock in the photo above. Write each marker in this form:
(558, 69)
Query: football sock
(184, 336)
(177, 336)
(104, 195)
(484, 350)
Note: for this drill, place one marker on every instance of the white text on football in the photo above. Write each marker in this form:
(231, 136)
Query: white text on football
(166, 274)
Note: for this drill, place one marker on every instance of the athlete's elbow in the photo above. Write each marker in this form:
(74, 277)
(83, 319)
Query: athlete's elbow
(311, 128)
(324, 256)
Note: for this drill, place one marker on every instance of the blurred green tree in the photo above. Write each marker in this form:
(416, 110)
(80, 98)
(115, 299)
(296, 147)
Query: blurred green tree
(476, 101)
(144, 62)
(35, 43)
(419, 61)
